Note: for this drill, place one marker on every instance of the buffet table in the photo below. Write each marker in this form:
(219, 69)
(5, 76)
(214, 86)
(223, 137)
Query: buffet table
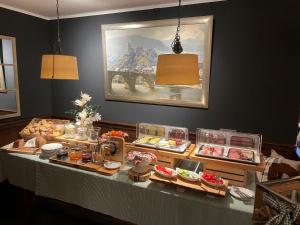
(140, 203)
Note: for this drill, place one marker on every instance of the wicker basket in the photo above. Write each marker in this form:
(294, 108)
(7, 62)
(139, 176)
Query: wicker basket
(272, 194)
(37, 125)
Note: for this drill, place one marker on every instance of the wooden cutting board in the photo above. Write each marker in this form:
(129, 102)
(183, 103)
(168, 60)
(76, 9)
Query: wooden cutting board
(196, 186)
(85, 166)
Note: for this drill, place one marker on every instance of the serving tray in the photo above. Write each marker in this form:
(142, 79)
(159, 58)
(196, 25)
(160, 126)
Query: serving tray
(23, 150)
(89, 166)
(224, 156)
(196, 186)
(18, 147)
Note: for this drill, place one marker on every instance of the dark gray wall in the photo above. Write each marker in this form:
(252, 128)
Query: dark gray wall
(32, 40)
(254, 72)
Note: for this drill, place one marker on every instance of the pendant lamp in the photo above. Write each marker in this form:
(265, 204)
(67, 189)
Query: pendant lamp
(58, 65)
(177, 69)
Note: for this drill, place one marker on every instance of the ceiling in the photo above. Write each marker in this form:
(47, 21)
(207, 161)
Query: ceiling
(76, 8)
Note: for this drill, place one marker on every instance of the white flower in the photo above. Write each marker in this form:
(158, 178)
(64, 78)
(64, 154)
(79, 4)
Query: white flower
(85, 97)
(87, 122)
(82, 115)
(79, 103)
(96, 117)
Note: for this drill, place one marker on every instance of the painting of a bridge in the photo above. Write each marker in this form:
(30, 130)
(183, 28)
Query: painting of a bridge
(130, 55)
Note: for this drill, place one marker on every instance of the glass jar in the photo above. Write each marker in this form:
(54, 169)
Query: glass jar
(86, 156)
(75, 154)
(70, 131)
(60, 128)
(81, 134)
(94, 134)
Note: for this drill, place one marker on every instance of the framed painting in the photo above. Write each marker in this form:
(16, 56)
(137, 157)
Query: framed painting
(130, 53)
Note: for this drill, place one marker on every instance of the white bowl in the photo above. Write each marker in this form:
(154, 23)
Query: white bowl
(192, 175)
(174, 173)
(211, 184)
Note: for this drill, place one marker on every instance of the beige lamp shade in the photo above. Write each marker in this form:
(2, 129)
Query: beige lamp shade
(63, 67)
(177, 69)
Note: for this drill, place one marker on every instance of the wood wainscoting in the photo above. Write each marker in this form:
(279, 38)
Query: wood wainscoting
(10, 128)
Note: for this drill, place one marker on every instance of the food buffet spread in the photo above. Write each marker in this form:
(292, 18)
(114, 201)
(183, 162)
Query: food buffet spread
(155, 154)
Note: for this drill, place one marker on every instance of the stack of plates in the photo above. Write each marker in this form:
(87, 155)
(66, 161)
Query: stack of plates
(49, 150)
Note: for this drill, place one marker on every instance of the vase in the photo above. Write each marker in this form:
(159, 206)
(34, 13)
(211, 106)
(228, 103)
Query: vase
(81, 134)
(94, 133)
(70, 131)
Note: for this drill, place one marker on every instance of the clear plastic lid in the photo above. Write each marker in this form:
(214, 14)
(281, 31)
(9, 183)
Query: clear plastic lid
(163, 131)
(229, 138)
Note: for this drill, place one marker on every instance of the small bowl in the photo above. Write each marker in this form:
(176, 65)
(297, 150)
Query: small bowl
(192, 175)
(174, 173)
(209, 183)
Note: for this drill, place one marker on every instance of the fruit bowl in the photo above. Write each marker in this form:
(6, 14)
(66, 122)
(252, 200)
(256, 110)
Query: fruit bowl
(165, 172)
(211, 179)
(141, 160)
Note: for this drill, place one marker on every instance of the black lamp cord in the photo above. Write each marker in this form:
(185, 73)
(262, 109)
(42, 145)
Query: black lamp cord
(58, 32)
(178, 25)
(176, 45)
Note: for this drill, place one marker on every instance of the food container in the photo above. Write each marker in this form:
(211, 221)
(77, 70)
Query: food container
(162, 137)
(229, 145)
(210, 150)
(165, 172)
(141, 161)
(81, 134)
(75, 155)
(94, 134)
(70, 131)
(48, 128)
(62, 154)
(86, 156)
(187, 175)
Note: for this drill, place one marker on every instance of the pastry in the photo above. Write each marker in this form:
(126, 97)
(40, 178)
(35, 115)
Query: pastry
(44, 127)
(40, 141)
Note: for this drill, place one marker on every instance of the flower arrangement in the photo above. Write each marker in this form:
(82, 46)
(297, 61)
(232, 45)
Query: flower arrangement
(85, 114)
(141, 160)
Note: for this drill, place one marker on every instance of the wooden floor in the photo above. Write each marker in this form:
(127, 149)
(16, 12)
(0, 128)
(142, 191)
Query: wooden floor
(20, 207)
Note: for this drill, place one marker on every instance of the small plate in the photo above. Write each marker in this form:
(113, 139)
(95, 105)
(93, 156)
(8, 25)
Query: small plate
(174, 173)
(232, 191)
(192, 177)
(111, 165)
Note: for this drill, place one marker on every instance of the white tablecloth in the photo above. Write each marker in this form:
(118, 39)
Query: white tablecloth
(145, 203)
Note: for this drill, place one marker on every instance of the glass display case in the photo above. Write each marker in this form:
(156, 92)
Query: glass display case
(162, 137)
(229, 145)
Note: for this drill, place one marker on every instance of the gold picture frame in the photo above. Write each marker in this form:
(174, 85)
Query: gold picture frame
(130, 53)
(13, 79)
